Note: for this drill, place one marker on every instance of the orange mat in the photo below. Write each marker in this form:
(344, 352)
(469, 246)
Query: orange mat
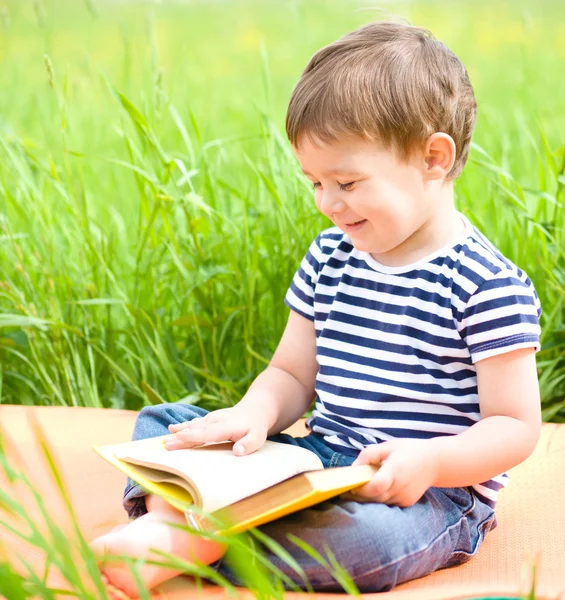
(531, 511)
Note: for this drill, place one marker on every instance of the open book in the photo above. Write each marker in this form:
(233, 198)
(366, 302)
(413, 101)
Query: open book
(239, 492)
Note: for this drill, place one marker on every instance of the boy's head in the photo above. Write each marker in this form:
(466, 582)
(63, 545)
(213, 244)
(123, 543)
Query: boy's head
(381, 123)
(387, 82)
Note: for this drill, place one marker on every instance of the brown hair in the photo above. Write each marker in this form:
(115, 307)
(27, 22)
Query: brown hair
(389, 82)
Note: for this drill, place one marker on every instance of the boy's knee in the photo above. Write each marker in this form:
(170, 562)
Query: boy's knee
(155, 420)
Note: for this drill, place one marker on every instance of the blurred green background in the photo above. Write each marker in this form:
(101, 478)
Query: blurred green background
(152, 214)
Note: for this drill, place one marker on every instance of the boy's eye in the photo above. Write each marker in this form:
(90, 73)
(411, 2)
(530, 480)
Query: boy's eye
(344, 187)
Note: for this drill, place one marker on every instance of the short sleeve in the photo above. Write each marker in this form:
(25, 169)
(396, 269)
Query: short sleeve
(502, 315)
(300, 294)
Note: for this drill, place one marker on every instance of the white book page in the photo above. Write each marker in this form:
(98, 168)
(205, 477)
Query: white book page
(220, 476)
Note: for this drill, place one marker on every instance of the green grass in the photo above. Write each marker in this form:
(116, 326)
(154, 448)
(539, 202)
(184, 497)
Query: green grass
(152, 214)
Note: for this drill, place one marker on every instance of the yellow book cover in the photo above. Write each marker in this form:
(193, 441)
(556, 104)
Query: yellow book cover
(238, 492)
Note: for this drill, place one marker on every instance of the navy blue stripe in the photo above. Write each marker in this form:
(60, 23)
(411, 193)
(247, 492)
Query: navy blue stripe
(390, 347)
(492, 485)
(347, 450)
(324, 386)
(402, 329)
(417, 434)
(483, 242)
(494, 324)
(515, 339)
(508, 279)
(468, 252)
(336, 263)
(425, 388)
(341, 425)
(392, 366)
(300, 312)
(414, 291)
(336, 236)
(484, 499)
(313, 262)
(342, 428)
(502, 302)
(363, 413)
(343, 432)
(301, 295)
(430, 318)
(448, 283)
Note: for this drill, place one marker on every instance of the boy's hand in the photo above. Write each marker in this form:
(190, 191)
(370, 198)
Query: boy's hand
(407, 469)
(247, 430)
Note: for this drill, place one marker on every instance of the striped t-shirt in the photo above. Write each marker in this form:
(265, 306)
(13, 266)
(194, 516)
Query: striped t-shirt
(396, 346)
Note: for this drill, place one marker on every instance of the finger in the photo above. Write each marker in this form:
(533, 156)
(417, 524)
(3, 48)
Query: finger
(352, 496)
(250, 442)
(373, 454)
(379, 486)
(200, 434)
(188, 424)
(405, 497)
(174, 427)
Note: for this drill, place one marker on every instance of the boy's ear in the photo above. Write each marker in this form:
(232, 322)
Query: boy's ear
(439, 155)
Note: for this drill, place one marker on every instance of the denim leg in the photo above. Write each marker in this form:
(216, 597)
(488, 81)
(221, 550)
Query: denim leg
(154, 421)
(315, 443)
(379, 545)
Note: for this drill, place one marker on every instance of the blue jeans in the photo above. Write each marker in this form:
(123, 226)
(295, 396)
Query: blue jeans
(379, 545)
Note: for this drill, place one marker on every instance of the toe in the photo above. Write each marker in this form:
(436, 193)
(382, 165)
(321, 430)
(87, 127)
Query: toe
(114, 593)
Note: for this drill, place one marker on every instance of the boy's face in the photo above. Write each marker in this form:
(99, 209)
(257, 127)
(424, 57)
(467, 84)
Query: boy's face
(376, 199)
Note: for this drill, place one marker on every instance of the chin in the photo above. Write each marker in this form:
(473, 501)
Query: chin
(364, 246)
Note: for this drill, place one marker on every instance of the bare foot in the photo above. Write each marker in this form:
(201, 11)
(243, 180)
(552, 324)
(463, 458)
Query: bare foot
(113, 592)
(138, 539)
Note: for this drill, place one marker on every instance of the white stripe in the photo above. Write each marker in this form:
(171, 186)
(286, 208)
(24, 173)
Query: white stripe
(388, 279)
(489, 256)
(407, 406)
(496, 293)
(486, 492)
(377, 424)
(386, 298)
(409, 422)
(392, 319)
(299, 304)
(476, 267)
(394, 357)
(304, 287)
(394, 338)
(498, 313)
(353, 443)
(393, 376)
(351, 385)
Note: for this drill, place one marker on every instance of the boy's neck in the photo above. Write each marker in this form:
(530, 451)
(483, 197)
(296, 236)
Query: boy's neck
(443, 226)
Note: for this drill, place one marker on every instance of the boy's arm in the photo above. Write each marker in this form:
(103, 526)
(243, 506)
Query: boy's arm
(509, 427)
(277, 397)
(285, 389)
(506, 434)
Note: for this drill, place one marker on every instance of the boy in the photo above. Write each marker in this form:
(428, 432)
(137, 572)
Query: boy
(414, 334)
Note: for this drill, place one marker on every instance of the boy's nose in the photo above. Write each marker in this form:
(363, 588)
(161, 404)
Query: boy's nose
(329, 204)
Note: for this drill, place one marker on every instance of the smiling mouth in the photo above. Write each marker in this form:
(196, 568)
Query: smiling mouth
(356, 223)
